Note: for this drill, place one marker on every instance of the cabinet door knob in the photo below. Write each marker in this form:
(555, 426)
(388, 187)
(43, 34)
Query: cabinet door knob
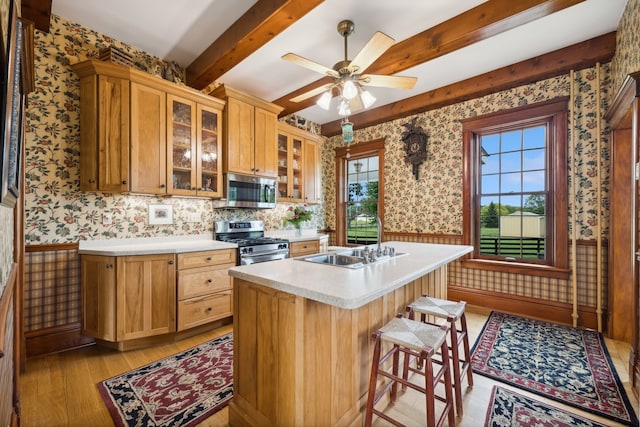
(124, 182)
(170, 262)
(257, 170)
(109, 265)
(92, 181)
(162, 185)
(209, 281)
(209, 258)
(209, 309)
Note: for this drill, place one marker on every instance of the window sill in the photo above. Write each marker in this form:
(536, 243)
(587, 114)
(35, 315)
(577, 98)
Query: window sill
(518, 268)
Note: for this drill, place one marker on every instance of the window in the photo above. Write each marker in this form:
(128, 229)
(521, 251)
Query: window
(359, 175)
(515, 188)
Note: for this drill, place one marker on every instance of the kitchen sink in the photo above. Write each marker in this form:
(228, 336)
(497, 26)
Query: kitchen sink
(350, 258)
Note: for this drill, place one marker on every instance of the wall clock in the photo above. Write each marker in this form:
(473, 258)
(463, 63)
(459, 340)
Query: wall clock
(415, 145)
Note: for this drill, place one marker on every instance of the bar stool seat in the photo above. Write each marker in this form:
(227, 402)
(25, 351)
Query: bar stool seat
(453, 312)
(417, 339)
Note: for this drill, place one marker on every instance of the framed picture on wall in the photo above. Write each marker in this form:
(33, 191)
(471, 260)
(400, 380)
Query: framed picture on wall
(12, 113)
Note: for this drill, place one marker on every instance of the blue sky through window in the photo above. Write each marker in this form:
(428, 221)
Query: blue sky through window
(513, 166)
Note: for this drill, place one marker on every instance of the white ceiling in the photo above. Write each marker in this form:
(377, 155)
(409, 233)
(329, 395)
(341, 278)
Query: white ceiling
(181, 30)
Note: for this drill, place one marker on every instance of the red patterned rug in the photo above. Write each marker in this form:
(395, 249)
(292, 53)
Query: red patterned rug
(558, 362)
(180, 390)
(508, 408)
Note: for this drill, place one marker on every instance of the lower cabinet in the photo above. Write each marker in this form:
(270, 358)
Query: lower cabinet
(204, 287)
(146, 296)
(130, 297)
(305, 247)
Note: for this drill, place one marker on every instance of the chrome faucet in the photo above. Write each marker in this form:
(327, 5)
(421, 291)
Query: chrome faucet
(379, 226)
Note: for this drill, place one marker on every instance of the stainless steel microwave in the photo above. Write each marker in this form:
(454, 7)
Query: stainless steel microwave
(247, 191)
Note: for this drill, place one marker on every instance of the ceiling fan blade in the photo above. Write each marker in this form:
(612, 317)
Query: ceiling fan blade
(375, 47)
(307, 63)
(396, 82)
(312, 92)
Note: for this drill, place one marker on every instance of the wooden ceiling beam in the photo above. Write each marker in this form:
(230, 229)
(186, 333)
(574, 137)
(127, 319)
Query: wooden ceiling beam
(483, 21)
(578, 56)
(38, 12)
(261, 23)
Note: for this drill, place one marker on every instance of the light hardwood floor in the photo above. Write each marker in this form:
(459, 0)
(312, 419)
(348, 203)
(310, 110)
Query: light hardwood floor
(60, 390)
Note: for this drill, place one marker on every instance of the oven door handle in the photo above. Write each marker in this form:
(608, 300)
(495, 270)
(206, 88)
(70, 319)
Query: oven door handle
(269, 256)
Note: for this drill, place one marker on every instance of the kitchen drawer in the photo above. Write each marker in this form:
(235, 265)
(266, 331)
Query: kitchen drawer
(205, 309)
(306, 247)
(194, 282)
(205, 258)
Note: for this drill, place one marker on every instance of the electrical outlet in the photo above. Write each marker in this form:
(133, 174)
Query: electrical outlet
(194, 217)
(107, 218)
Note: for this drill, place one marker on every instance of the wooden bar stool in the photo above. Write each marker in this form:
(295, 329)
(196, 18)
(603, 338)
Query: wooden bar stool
(452, 312)
(420, 340)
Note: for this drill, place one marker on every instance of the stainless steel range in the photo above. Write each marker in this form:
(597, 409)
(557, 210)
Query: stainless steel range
(253, 246)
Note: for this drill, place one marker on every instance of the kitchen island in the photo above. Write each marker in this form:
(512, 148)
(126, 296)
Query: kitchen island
(302, 347)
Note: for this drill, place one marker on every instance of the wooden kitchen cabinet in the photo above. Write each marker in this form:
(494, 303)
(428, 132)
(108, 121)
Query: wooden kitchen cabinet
(126, 116)
(128, 297)
(104, 135)
(306, 247)
(249, 142)
(194, 168)
(298, 165)
(148, 160)
(204, 287)
(98, 278)
(312, 171)
(146, 292)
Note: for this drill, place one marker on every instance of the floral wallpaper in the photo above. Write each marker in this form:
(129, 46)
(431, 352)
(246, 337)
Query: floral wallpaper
(627, 57)
(433, 203)
(56, 211)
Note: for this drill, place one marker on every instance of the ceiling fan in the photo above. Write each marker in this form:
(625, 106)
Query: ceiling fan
(348, 75)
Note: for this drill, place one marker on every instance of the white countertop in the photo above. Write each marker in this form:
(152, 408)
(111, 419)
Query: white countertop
(291, 236)
(151, 245)
(346, 287)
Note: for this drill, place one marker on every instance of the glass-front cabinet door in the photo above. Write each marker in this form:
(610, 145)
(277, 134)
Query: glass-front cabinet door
(193, 161)
(181, 159)
(209, 163)
(290, 164)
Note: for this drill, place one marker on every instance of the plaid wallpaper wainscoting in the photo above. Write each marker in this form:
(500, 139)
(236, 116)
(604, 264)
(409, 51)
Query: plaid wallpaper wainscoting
(52, 287)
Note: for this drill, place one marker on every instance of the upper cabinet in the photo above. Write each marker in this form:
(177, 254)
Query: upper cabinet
(250, 135)
(194, 148)
(142, 134)
(298, 165)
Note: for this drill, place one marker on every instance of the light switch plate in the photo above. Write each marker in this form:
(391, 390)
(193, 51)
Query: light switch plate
(107, 218)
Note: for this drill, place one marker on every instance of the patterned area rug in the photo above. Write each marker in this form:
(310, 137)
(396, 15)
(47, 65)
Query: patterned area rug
(508, 408)
(181, 390)
(558, 362)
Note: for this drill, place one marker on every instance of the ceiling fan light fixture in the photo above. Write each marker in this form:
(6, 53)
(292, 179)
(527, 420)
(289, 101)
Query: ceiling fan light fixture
(344, 109)
(325, 100)
(367, 98)
(349, 90)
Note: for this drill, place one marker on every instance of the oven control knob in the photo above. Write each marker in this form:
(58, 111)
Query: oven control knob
(282, 246)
